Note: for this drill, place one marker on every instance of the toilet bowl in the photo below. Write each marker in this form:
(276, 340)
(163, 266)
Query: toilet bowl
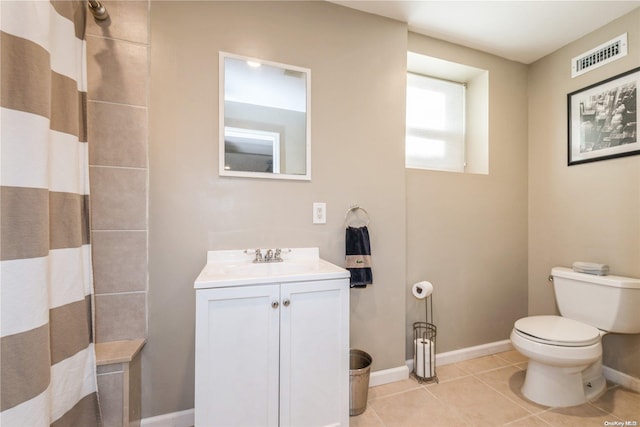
(565, 352)
(560, 351)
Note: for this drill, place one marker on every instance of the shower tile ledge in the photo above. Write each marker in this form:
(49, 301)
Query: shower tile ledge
(118, 351)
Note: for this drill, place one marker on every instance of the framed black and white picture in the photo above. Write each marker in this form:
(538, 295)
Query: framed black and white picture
(603, 119)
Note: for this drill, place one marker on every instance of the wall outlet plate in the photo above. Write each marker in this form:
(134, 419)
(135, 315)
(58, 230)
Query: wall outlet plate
(319, 213)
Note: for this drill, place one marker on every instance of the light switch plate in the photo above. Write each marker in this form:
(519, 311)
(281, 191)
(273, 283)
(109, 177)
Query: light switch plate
(319, 213)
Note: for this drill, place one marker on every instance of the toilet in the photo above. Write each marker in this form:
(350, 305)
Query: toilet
(565, 352)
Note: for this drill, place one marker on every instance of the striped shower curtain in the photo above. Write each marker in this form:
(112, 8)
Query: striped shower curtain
(47, 365)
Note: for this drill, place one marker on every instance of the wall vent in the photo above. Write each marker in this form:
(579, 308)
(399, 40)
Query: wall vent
(597, 57)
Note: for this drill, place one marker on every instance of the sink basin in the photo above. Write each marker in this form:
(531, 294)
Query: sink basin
(269, 268)
(236, 268)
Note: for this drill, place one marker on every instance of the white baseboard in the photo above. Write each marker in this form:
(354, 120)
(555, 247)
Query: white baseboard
(402, 372)
(472, 352)
(463, 354)
(174, 419)
(386, 376)
(625, 380)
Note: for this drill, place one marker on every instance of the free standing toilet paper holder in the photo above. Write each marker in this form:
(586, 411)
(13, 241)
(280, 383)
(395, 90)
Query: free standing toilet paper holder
(424, 346)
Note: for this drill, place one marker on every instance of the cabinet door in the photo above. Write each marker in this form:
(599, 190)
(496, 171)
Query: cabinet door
(314, 353)
(237, 346)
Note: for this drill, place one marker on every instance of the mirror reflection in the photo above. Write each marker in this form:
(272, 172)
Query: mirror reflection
(264, 119)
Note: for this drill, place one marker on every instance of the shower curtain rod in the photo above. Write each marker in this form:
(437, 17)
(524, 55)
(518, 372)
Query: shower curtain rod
(98, 10)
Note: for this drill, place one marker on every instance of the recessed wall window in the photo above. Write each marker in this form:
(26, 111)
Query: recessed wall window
(447, 112)
(435, 124)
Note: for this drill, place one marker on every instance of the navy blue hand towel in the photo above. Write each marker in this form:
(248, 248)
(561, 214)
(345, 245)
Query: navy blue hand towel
(358, 256)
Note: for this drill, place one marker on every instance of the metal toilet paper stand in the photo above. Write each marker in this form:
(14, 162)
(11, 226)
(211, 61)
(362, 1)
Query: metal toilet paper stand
(424, 346)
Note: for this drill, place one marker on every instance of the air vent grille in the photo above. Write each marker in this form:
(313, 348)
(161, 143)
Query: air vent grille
(597, 57)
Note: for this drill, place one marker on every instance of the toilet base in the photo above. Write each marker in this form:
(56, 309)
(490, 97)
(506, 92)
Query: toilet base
(563, 386)
(595, 385)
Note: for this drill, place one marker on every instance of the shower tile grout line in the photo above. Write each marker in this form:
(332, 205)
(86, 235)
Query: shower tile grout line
(120, 167)
(119, 229)
(147, 44)
(121, 293)
(99, 101)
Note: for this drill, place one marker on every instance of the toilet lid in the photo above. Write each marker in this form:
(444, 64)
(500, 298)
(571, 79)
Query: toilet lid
(558, 330)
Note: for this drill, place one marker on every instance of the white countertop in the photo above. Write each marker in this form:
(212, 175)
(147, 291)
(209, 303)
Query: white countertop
(236, 268)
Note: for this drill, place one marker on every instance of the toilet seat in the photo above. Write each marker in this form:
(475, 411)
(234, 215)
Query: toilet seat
(557, 331)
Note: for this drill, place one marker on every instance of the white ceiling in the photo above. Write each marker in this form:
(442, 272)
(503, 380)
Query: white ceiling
(523, 31)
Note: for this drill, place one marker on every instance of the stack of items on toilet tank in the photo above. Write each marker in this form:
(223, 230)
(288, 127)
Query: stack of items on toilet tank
(591, 268)
(424, 337)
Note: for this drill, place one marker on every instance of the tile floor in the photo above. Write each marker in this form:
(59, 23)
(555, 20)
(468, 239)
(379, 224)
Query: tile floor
(486, 392)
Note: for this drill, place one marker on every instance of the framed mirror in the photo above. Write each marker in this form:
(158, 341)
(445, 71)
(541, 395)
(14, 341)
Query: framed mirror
(264, 119)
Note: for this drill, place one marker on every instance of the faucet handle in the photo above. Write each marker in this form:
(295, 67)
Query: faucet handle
(269, 255)
(279, 252)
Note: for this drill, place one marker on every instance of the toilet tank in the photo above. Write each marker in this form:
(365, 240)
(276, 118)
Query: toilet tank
(610, 303)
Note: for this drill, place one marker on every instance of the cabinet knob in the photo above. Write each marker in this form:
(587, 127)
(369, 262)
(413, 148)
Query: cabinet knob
(286, 303)
(275, 304)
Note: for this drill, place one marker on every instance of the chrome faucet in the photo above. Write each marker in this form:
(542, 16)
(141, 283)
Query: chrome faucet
(270, 256)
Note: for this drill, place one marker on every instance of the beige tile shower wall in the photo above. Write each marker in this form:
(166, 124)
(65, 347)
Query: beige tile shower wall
(117, 57)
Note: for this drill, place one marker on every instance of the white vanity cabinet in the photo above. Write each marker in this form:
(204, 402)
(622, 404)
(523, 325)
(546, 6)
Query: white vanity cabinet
(273, 353)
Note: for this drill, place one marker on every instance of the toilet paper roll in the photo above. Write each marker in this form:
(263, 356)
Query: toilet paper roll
(421, 290)
(423, 362)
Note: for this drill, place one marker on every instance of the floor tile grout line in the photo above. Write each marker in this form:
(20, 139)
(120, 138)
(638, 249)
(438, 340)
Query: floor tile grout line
(509, 363)
(447, 380)
(608, 413)
(590, 403)
(507, 360)
(501, 358)
(528, 416)
(445, 404)
(394, 394)
(519, 404)
(492, 369)
(378, 417)
(369, 408)
(431, 393)
(515, 399)
(515, 365)
(548, 409)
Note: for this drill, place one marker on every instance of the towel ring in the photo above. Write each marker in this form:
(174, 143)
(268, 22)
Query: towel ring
(353, 209)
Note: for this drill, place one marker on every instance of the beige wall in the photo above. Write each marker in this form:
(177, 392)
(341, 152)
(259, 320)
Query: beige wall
(588, 212)
(357, 64)
(467, 233)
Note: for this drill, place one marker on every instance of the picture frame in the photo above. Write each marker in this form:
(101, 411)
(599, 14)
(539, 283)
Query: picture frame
(603, 119)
